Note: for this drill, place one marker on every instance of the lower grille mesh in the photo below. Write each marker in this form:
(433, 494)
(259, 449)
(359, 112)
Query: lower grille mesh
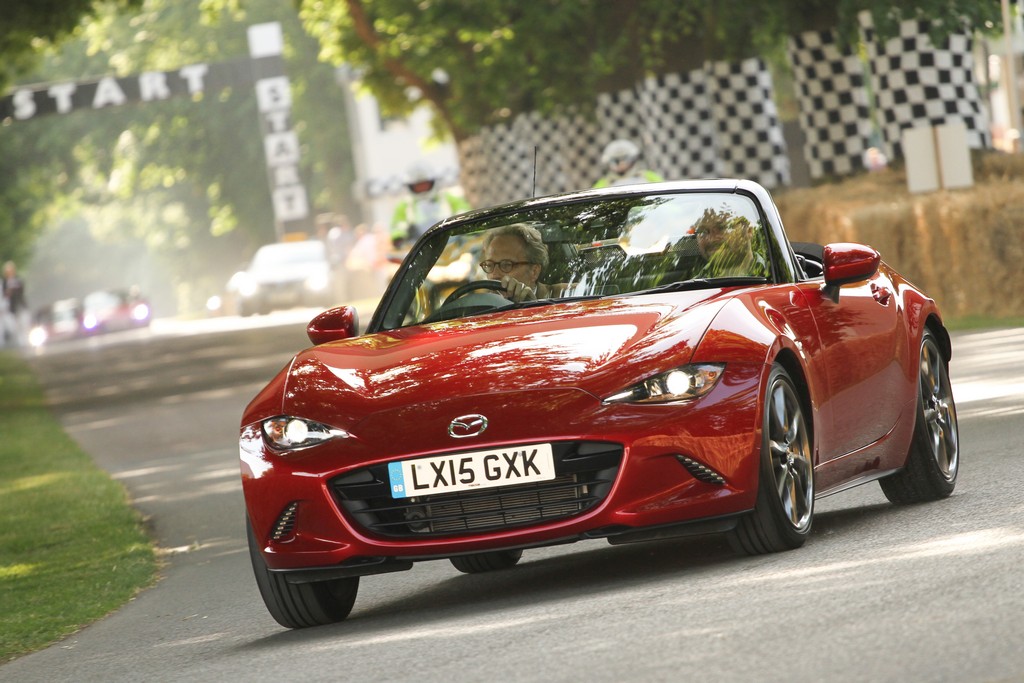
(584, 473)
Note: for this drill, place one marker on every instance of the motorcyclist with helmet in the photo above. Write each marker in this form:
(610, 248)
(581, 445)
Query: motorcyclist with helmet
(425, 205)
(620, 159)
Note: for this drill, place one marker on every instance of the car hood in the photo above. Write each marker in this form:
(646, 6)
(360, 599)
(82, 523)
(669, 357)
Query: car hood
(598, 347)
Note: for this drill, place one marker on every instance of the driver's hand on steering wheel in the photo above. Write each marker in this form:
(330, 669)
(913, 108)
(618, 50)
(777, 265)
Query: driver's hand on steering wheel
(516, 290)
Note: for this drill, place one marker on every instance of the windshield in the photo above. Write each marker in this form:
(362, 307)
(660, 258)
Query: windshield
(286, 253)
(602, 247)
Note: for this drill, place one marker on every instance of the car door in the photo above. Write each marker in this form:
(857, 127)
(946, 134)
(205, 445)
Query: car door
(863, 348)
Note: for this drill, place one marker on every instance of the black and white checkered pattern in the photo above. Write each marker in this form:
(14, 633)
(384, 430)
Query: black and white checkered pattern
(750, 141)
(681, 139)
(715, 121)
(497, 166)
(834, 113)
(918, 84)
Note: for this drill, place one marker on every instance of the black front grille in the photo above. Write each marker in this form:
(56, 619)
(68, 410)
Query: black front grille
(584, 472)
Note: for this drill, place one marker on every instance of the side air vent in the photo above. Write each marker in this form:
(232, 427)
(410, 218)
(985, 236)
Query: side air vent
(284, 527)
(700, 471)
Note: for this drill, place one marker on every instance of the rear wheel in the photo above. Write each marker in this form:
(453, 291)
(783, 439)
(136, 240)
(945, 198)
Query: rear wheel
(782, 515)
(487, 562)
(934, 457)
(303, 604)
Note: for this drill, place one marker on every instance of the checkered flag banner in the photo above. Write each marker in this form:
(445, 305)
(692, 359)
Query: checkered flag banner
(709, 122)
(531, 156)
(678, 133)
(918, 84)
(749, 133)
(834, 114)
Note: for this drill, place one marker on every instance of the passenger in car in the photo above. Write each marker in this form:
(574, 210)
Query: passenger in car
(516, 255)
(726, 241)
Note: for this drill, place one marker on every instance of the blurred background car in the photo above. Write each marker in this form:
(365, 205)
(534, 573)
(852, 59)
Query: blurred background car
(57, 321)
(110, 310)
(284, 275)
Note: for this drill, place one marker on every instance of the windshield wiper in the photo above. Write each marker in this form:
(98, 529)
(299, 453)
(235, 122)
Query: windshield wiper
(704, 283)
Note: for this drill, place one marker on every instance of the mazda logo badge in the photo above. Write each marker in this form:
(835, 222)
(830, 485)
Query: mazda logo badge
(465, 426)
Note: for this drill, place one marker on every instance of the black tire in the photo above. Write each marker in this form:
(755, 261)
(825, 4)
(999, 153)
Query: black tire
(784, 510)
(304, 604)
(933, 460)
(487, 562)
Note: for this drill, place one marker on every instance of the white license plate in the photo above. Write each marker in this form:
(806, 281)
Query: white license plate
(476, 470)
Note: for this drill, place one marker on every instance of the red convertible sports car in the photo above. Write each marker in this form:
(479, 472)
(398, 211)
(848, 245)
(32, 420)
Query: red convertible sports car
(629, 364)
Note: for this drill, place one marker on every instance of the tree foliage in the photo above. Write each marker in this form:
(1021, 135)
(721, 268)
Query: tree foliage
(184, 178)
(481, 62)
(30, 25)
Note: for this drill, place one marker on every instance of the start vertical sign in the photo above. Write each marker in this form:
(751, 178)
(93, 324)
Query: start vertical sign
(280, 142)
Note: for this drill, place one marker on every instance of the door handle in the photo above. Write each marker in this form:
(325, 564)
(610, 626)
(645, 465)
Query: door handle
(881, 294)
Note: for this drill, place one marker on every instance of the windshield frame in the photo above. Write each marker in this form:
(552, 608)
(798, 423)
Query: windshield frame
(779, 253)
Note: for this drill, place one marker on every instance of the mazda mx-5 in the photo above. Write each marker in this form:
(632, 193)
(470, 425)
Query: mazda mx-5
(637, 363)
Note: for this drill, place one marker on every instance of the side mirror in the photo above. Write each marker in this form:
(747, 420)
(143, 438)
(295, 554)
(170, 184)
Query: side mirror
(333, 325)
(846, 263)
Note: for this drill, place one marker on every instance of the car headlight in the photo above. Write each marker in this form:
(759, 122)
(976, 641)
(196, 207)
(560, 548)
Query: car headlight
(247, 286)
(291, 433)
(317, 282)
(679, 384)
(37, 337)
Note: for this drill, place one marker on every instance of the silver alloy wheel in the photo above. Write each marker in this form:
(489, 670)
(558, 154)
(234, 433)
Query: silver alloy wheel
(790, 450)
(939, 410)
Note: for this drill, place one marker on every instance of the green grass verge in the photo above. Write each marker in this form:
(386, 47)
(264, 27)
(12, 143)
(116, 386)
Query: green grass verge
(72, 549)
(982, 323)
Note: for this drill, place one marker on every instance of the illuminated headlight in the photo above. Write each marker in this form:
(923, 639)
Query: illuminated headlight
(247, 286)
(37, 336)
(679, 384)
(317, 283)
(140, 312)
(291, 433)
(90, 321)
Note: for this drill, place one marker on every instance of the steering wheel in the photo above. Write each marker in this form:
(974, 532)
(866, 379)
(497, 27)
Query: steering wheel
(463, 290)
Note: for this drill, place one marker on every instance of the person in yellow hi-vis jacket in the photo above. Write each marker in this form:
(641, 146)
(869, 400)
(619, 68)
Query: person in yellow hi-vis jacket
(424, 206)
(619, 159)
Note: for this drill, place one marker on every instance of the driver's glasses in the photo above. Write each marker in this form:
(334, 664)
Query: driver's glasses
(505, 266)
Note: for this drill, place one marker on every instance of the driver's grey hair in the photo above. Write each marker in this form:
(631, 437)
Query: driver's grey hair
(536, 250)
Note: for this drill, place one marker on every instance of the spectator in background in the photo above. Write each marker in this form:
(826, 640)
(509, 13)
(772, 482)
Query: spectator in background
(335, 231)
(620, 159)
(366, 263)
(14, 309)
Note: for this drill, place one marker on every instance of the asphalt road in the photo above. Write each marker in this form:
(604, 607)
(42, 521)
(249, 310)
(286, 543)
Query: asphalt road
(882, 593)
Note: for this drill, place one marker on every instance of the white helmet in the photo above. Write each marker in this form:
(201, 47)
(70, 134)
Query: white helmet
(420, 177)
(619, 152)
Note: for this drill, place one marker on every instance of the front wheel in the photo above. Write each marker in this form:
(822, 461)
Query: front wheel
(934, 458)
(300, 605)
(782, 516)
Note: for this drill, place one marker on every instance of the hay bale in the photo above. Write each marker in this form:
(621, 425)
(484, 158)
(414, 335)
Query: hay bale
(965, 248)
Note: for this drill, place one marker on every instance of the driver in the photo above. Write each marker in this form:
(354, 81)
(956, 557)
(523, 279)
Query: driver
(515, 255)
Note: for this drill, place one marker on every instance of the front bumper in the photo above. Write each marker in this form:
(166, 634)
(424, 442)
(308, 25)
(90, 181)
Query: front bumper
(658, 470)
